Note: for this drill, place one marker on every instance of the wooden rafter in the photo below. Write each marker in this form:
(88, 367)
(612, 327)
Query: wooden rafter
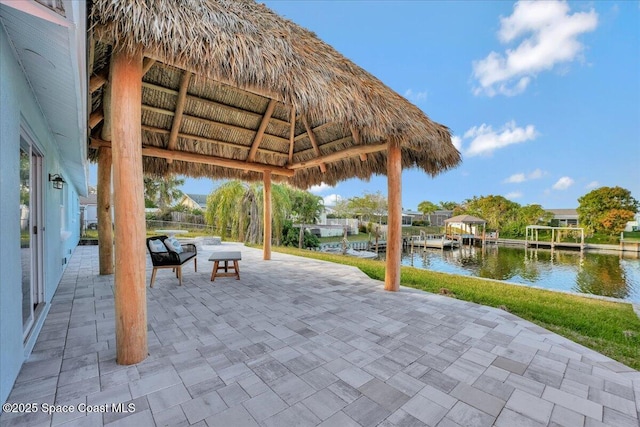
(327, 146)
(211, 103)
(177, 118)
(95, 119)
(212, 141)
(315, 129)
(261, 129)
(147, 63)
(97, 81)
(314, 143)
(355, 133)
(199, 158)
(340, 155)
(209, 122)
(292, 133)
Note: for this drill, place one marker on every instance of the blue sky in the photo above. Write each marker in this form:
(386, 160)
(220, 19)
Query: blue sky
(543, 99)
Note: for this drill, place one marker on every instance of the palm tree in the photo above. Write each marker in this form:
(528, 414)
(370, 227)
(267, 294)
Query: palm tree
(427, 208)
(236, 210)
(162, 192)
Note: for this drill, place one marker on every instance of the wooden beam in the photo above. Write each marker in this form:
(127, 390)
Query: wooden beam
(213, 141)
(339, 155)
(292, 133)
(91, 42)
(355, 133)
(210, 122)
(266, 196)
(314, 143)
(97, 81)
(130, 228)
(177, 118)
(254, 91)
(315, 129)
(211, 103)
(257, 140)
(95, 118)
(200, 158)
(146, 65)
(105, 226)
(326, 146)
(394, 222)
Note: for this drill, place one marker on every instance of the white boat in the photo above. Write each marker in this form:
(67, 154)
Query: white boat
(361, 254)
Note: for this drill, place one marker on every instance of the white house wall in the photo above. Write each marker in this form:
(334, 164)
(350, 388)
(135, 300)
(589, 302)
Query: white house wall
(60, 207)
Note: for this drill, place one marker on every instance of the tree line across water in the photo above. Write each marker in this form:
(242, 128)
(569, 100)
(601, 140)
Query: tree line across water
(234, 209)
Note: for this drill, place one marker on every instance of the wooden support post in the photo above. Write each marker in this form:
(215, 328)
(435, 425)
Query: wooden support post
(301, 237)
(266, 195)
(394, 227)
(105, 226)
(130, 229)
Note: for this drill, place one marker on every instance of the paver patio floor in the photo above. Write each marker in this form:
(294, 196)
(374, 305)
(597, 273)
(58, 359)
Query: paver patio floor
(300, 342)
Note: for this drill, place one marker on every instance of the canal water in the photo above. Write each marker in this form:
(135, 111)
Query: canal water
(604, 274)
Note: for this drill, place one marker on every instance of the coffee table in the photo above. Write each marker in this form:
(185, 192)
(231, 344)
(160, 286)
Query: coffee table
(225, 257)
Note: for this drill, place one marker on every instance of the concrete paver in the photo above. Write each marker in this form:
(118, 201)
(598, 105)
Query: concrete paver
(310, 343)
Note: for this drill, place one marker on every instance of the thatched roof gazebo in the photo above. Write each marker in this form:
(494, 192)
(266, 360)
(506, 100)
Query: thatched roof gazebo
(229, 89)
(466, 224)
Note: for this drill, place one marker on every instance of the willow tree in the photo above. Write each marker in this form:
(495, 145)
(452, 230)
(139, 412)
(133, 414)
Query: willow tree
(235, 210)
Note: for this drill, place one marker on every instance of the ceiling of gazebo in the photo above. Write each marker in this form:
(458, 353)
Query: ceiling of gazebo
(231, 89)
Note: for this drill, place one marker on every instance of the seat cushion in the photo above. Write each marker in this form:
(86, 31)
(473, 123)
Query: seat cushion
(186, 256)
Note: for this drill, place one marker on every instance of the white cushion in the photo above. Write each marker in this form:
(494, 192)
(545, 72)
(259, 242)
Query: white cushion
(156, 245)
(174, 245)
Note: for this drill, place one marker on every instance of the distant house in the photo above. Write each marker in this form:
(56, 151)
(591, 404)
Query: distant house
(564, 217)
(89, 212)
(633, 225)
(194, 201)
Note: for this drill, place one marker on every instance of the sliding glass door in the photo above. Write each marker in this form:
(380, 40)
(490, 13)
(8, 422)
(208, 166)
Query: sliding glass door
(30, 233)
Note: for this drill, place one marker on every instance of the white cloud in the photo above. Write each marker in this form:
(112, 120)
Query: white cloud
(415, 96)
(536, 174)
(549, 36)
(516, 178)
(486, 140)
(592, 184)
(521, 177)
(513, 195)
(457, 142)
(331, 199)
(563, 183)
(319, 188)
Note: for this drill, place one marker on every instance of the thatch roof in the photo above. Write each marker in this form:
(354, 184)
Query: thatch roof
(247, 73)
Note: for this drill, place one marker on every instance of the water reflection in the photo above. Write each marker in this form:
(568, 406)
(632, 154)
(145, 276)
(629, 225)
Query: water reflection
(602, 275)
(594, 273)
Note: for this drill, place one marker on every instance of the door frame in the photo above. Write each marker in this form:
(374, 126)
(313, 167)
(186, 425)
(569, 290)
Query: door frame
(36, 222)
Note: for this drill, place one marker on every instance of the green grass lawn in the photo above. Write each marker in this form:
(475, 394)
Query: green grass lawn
(610, 328)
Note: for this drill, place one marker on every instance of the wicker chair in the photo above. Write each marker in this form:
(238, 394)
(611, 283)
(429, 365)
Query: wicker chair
(171, 259)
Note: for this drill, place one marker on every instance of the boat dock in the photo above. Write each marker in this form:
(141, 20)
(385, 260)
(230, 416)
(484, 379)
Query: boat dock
(558, 239)
(438, 241)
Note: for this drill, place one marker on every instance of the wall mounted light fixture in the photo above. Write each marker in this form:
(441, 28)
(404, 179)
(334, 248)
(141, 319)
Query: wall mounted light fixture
(57, 180)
